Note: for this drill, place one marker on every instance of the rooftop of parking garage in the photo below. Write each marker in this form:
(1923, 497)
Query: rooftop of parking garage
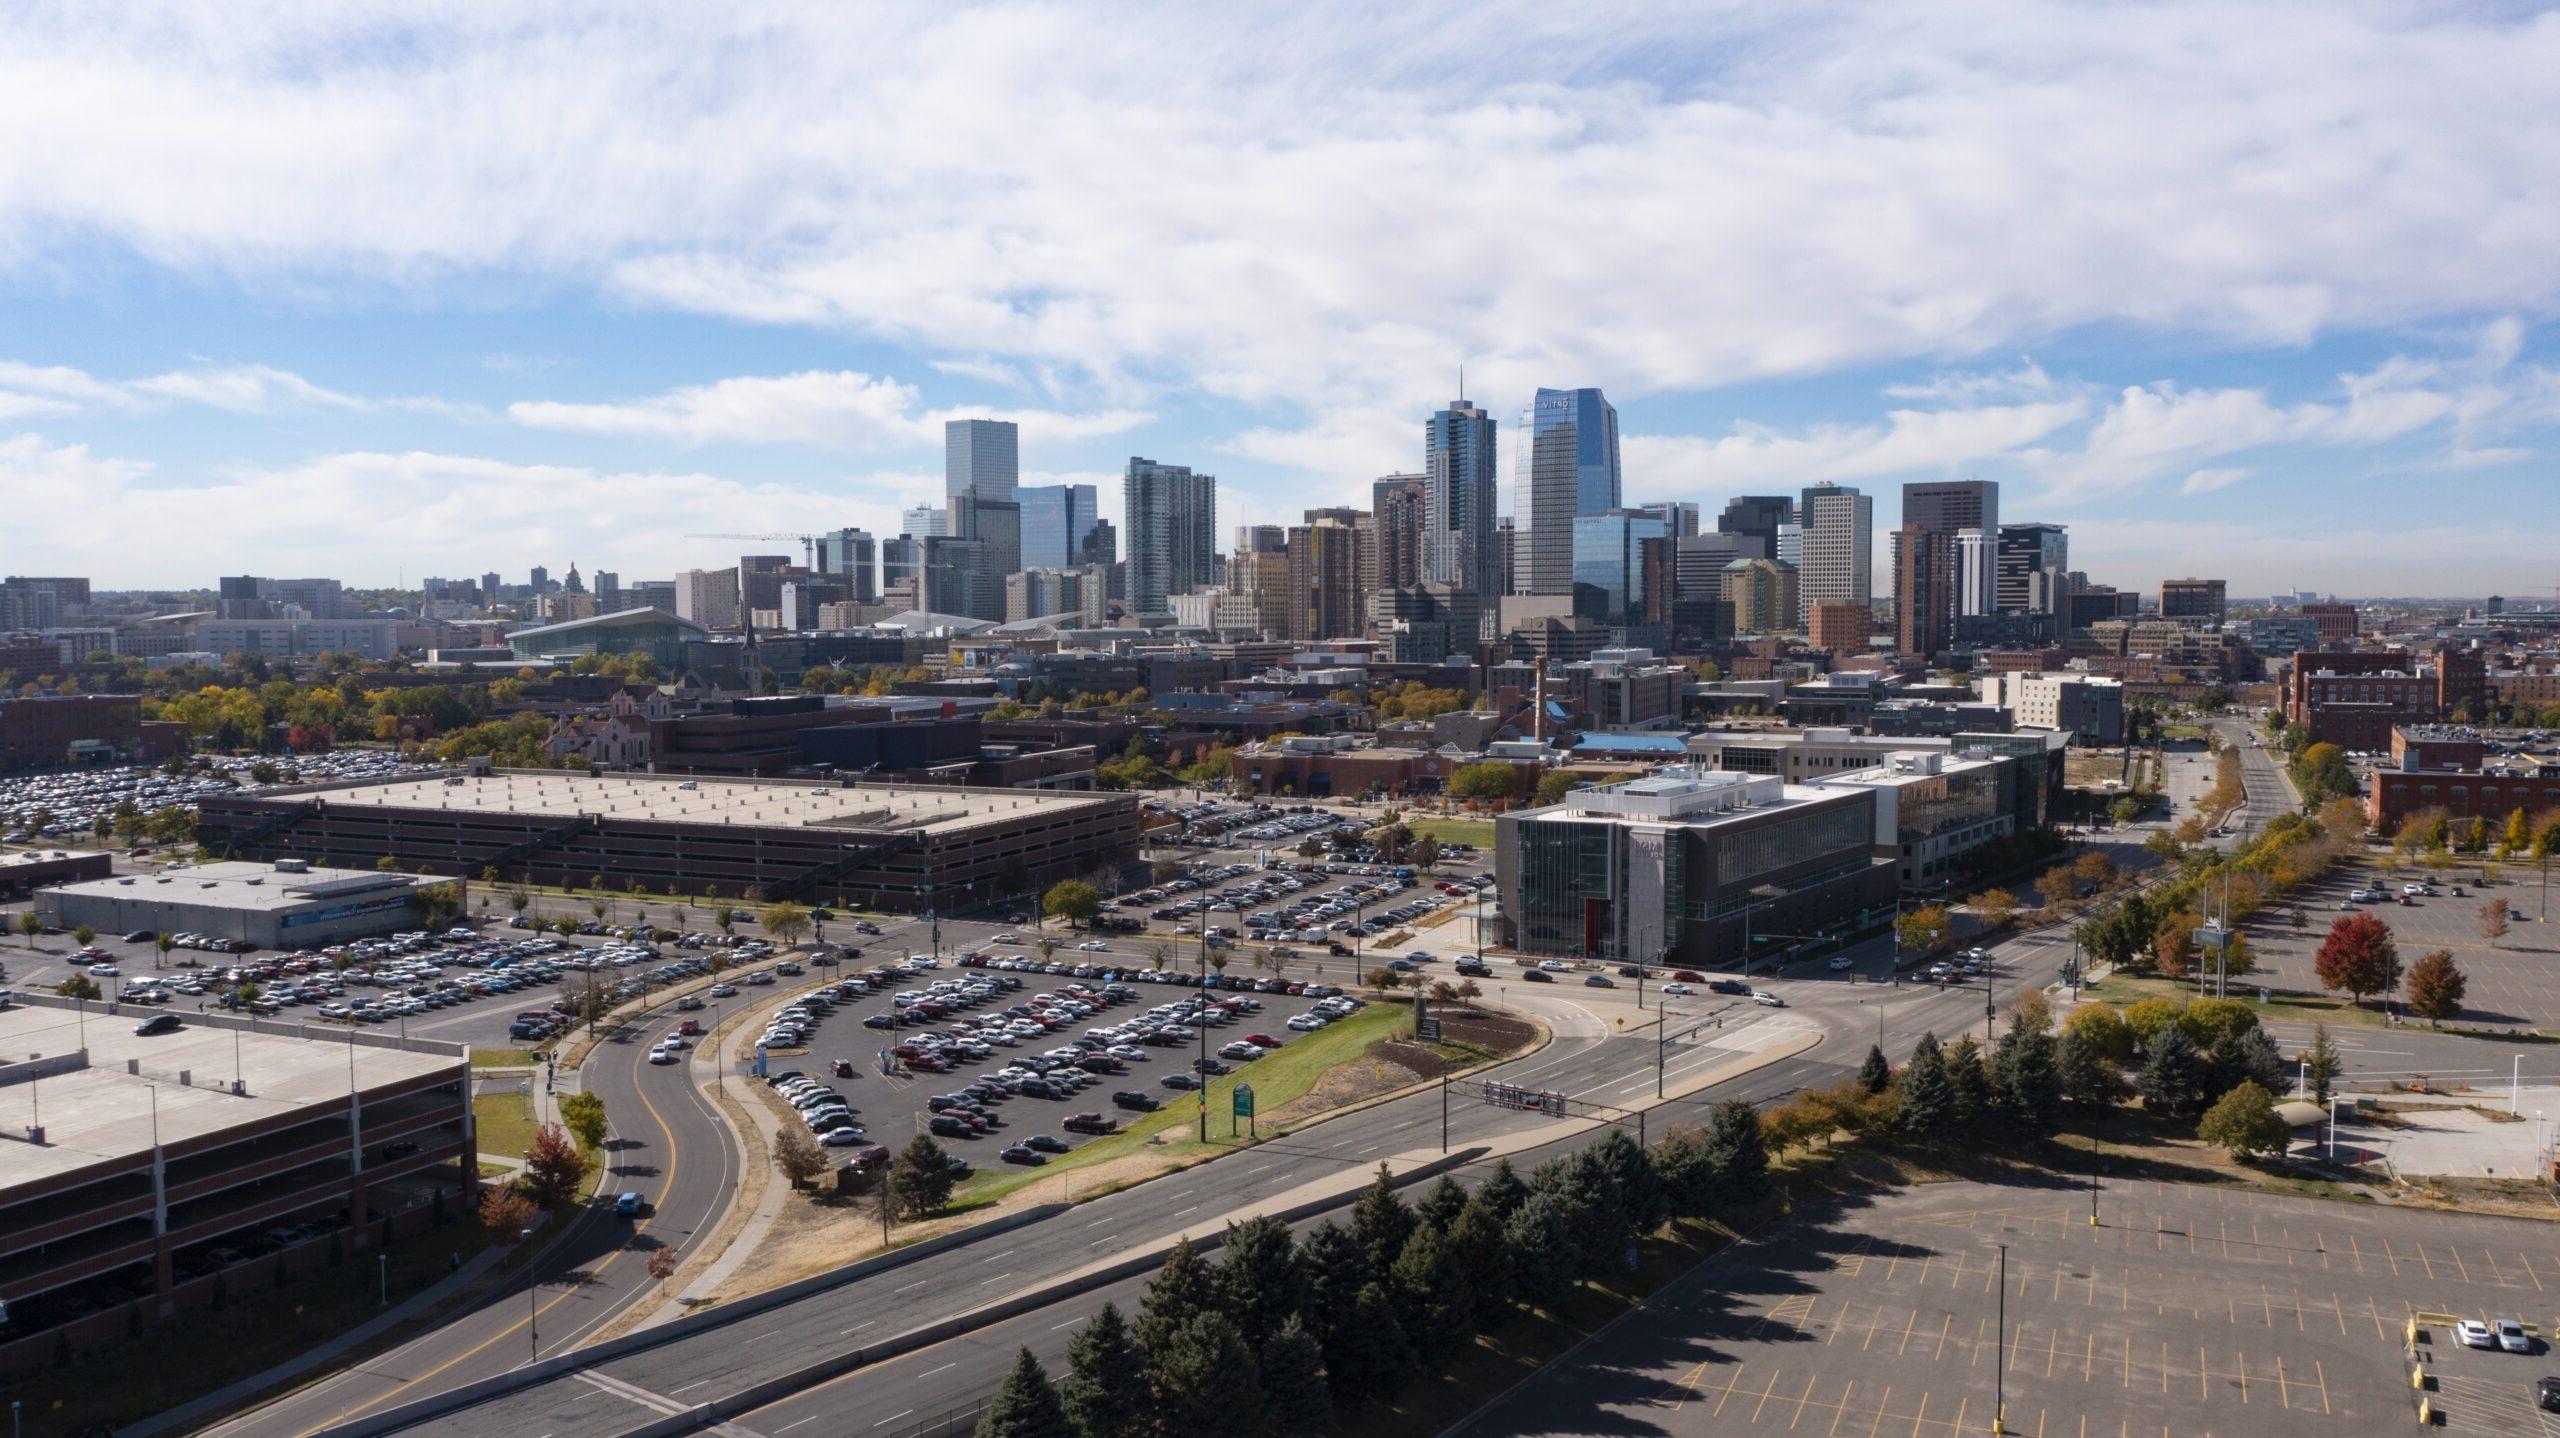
(105, 1111)
(664, 798)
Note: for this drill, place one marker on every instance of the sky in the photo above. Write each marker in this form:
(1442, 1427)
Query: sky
(382, 291)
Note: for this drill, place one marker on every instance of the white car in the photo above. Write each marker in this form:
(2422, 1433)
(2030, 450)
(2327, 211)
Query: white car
(1678, 991)
(1094, 946)
(1842, 961)
(663, 1055)
(1767, 999)
(1553, 966)
(2472, 1333)
(673, 1041)
(2512, 1337)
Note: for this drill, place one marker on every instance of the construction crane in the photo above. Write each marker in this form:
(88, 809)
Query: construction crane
(808, 544)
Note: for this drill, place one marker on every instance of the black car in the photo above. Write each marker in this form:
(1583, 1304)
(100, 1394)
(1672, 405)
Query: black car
(1133, 1098)
(1727, 986)
(141, 936)
(1048, 1143)
(157, 1024)
(1180, 1081)
(1023, 1154)
(2546, 1395)
(1537, 976)
(1209, 1066)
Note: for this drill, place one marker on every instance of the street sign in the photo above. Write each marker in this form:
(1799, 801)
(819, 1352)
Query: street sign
(1244, 1100)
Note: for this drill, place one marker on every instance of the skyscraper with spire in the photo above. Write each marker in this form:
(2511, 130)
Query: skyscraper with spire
(1459, 499)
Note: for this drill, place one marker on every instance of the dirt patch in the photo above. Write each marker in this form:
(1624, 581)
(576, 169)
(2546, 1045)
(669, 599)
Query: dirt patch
(1500, 1033)
(1383, 1069)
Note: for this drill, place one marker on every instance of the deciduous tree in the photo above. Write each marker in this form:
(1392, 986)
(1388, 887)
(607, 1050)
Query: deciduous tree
(2358, 957)
(553, 1166)
(2436, 987)
(797, 1154)
(2244, 1121)
(584, 1114)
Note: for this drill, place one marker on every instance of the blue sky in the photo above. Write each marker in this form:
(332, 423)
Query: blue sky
(383, 292)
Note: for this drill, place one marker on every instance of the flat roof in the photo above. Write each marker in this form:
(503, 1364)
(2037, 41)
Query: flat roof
(241, 885)
(661, 798)
(46, 856)
(102, 1113)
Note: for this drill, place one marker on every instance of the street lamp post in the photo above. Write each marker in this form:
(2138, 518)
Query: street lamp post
(2000, 1373)
(532, 1301)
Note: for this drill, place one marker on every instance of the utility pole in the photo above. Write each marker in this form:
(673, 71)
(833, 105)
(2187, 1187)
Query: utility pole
(2000, 1372)
(1661, 1047)
(1444, 1113)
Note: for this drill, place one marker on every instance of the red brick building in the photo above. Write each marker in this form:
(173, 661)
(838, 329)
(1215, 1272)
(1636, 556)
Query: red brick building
(2337, 621)
(2354, 699)
(56, 730)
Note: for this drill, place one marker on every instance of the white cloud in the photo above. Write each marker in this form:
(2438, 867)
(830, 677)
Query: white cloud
(1329, 202)
(835, 409)
(2206, 481)
(1908, 442)
(456, 514)
(27, 389)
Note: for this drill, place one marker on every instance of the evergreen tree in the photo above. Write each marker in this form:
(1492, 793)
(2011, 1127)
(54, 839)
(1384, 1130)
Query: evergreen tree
(1335, 1270)
(1875, 1073)
(1295, 1398)
(2321, 1063)
(1969, 1080)
(1182, 1290)
(2248, 1056)
(1430, 1293)
(1027, 1405)
(1440, 1207)
(1928, 1095)
(1263, 1285)
(2084, 1074)
(1688, 1184)
(1542, 1251)
(1639, 1189)
(2028, 1089)
(1106, 1385)
(1735, 1154)
(1381, 1222)
(1502, 1192)
(1476, 1246)
(1381, 1361)
(1203, 1377)
(2173, 1074)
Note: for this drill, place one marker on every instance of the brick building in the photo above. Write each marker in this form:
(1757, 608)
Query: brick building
(52, 731)
(2433, 769)
(2354, 699)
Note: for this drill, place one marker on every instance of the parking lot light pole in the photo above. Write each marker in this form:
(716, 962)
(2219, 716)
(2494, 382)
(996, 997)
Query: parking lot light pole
(2000, 1373)
(532, 1300)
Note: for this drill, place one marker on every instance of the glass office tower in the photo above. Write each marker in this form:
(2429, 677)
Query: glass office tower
(1567, 468)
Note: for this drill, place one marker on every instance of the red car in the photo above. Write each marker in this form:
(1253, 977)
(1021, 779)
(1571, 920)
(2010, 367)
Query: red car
(1262, 1040)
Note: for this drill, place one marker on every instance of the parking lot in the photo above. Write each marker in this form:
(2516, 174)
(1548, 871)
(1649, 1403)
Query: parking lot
(1245, 879)
(995, 1058)
(2512, 982)
(2185, 1311)
(63, 807)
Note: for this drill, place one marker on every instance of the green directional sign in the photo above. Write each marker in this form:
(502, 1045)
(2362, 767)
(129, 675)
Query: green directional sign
(1244, 1100)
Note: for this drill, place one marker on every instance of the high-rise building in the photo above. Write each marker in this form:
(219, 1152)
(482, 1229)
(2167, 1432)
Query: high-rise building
(2035, 562)
(1762, 593)
(981, 457)
(539, 580)
(1101, 544)
(1759, 515)
(1057, 520)
(1172, 526)
(1515, 555)
(2196, 601)
(995, 526)
(1699, 613)
(1977, 572)
(1677, 515)
(1262, 539)
(1836, 550)
(1324, 579)
(925, 521)
(1949, 505)
(609, 598)
(1399, 509)
(855, 556)
(1841, 627)
(708, 597)
(1460, 497)
(489, 587)
(1924, 589)
(1610, 566)
(1567, 468)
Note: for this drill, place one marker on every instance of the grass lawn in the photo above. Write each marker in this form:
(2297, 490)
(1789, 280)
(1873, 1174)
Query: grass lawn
(2123, 989)
(1277, 1079)
(503, 1058)
(258, 1327)
(1478, 832)
(504, 1123)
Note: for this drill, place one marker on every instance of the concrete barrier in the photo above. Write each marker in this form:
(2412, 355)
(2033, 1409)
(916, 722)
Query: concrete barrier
(421, 1410)
(1085, 1280)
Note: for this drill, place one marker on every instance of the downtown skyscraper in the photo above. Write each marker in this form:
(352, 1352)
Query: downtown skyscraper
(1567, 467)
(1460, 498)
(1838, 564)
(1171, 534)
(981, 470)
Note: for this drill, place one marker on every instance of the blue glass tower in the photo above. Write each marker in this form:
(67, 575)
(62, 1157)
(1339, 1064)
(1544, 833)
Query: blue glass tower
(1567, 468)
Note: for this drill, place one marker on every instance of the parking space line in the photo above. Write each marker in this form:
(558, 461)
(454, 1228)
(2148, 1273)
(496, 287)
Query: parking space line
(2052, 1342)
(1945, 1322)
(1978, 1325)
(1908, 1320)
(2459, 1266)
(1764, 1398)
(2244, 1374)
(2321, 1374)
(2089, 1359)
(2529, 1273)
(2284, 1391)
(1730, 1380)
(1918, 1418)
(1880, 1407)
(1838, 1323)
(1800, 1402)
(2389, 1255)
(2358, 1251)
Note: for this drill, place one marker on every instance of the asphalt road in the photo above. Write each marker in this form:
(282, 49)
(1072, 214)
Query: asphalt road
(1595, 1059)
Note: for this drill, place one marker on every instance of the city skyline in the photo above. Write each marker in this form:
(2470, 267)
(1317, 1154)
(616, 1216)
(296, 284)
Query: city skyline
(199, 349)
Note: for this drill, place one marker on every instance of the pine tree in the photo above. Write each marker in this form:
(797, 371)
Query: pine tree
(1476, 1246)
(2028, 1090)
(1688, 1184)
(1381, 1222)
(1440, 1207)
(1735, 1153)
(1263, 1285)
(1106, 1384)
(1542, 1251)
(1027, 1406)
(1928, 1095)
(1382, 1360)
(1638, 1188)
(2321, 1063)
(2084, 1074)
(1336, 1270)
(1969, 1080)
(1183, 1289)
(1502, 1192)
(1295, 1397)
(2173, 1073)
(1875, 1073)
(2248, 1056)
(1203, 1376)
(1430, 1293)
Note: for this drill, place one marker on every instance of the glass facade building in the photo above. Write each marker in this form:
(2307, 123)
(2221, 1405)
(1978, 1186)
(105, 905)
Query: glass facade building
(1567, 467)
(1057, 524)
(1609, 565)
(1460, 538)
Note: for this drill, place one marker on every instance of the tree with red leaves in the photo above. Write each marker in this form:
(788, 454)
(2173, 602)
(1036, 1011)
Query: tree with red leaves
(553, 1167)
(505, 1212)
(2358, 957)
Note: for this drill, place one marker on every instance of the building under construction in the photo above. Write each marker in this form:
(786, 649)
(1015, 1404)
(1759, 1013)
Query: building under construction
(902, 848)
